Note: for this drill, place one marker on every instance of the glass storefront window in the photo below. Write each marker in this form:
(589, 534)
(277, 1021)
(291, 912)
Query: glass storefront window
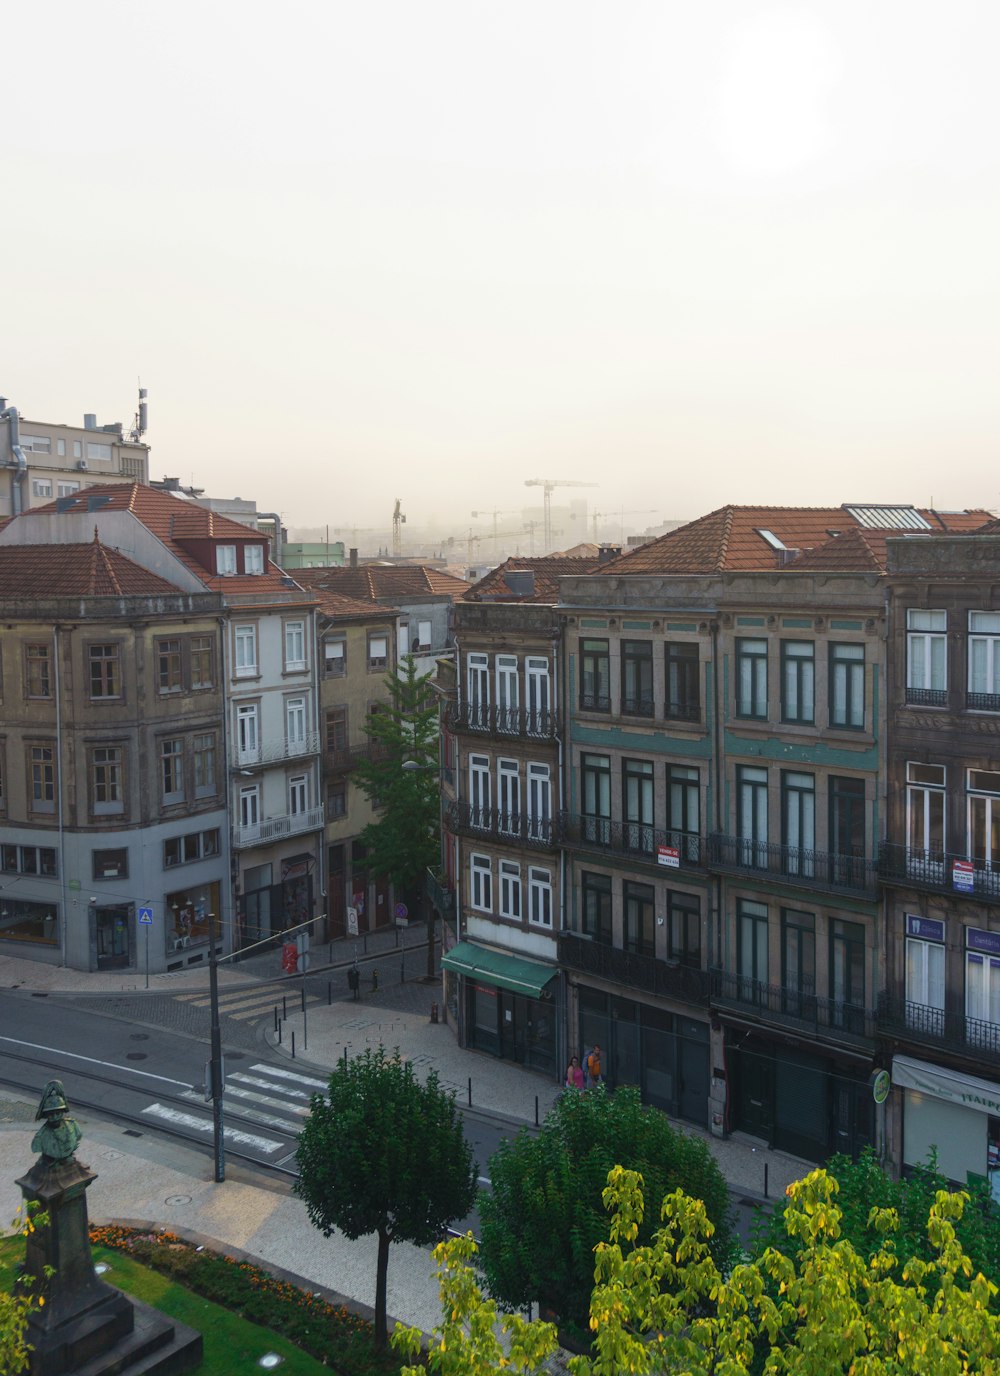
(21, 920)
(188, 914)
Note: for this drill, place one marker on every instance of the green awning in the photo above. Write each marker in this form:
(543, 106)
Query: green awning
(494, 967)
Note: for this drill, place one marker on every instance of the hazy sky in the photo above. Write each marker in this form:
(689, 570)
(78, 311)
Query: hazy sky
(693, 252)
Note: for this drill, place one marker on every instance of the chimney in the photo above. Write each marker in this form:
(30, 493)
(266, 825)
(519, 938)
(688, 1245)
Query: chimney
(90, 420)
(354, 558)
(608, 552)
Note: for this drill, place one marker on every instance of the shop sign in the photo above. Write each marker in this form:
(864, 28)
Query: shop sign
(881, 1083)
(963, 876)
(978, 940)
(953, 1088)
(927, 928)
(668, 855)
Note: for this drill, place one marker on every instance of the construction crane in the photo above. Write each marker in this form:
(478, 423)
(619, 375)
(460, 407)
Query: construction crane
(621, 514)
(494, 514)
(547, 485)
(398, 521)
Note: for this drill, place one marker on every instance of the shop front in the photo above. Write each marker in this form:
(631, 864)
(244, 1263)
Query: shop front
(956, 1116)
(508, 1002)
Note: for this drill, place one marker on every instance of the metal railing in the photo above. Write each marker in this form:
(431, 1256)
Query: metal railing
(341, 758)
(666, 978)
(936, 869)
(638, 707)
(635, 839)
(817, 869)
(276, 828)
(517, 828)
(505, 722)
(790, 1007)
(927, 697)
(952, 1030)
(983, 702)
(440, 893)
(275, 751)
(595, 702)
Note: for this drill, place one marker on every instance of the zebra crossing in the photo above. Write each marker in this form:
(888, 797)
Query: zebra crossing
(245, 1005)
(266, 1096)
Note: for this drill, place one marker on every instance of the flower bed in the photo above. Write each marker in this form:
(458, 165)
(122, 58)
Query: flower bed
(331, 1333)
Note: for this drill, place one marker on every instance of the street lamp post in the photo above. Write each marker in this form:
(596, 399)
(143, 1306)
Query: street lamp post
(216, 1075)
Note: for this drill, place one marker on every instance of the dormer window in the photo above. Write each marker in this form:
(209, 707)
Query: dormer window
(253, 558)
(225, 560)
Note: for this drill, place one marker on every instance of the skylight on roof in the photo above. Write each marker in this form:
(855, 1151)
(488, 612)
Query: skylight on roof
(772, 539)
(888, 517)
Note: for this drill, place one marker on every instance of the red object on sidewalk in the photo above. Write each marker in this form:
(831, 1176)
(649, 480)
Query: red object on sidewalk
(289, 957)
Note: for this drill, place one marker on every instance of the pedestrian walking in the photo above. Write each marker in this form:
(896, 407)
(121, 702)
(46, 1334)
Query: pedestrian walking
(594, 1077)
(574, 1074)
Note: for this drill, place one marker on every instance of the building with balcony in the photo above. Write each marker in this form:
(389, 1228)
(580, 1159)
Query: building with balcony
(939, 1008)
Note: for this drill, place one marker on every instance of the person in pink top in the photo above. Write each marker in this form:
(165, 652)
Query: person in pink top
(574, 1074)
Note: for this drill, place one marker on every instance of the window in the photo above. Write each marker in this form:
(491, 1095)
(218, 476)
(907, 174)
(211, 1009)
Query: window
(481, 883)
(36, 444)
(982, 987)
(596, 905)
(225, 560)
(195, 845)
(751, 950)
(253, 558)
(202, 661)
(798, 823)
(3, 779)
(508, 796)
(249, 806)
(847, 831)
(479, 790)
(247, 734)
(683, 810)
(98, 450)
(508, 694)
(61, 449)
(640, 923)
(107, 784)
(298, 795)
(67, 489)
(637, 678)
(683, 700)
(684, 929)
(595, 676)
(335, 658)
(751, 678)
(336, 799)
(847, 686)
(203, 749)
(295, 644)
(595, 778)
(378, 652)
(39, 860)
(539, 698)
(295, 725)
(847, 974)
(78, 449)
(539, 897)
(336, 732)
(246, 651)
(927, 657)
(539, 803)
(751, 816)
(423, 641)
(477, 689)
(38, 683)
(172, 771)
(41, 759)
(41, 487)
(983, 788)
(984, 662)
(798, 683)
(109, 864)
(925, 960)
(168, 659)
(637, 789)
(105, 677)
(510, 889)
(925, 836)
(798, 963)
(403, 639)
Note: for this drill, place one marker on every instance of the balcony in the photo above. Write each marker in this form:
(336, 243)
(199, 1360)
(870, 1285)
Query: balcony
(506, 828)
(793, 1009)
(635, 840)
(504, 723)
(937, 1027)
(812, 869)
(983, 702)
(339, 760)
(661, 977)
(277, 828)
(936, 870)
(927, 697)
(276, 751)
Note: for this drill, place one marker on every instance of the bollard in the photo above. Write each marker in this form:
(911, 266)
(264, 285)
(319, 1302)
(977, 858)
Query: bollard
(284, 1006)
(329, 992)
(536, 1110)
(275, 1019)
(293, 1043)
(470, 1091)
(279, 1031)
(434, 1012)
(765, 1179)
(374, 979)
(402, 972)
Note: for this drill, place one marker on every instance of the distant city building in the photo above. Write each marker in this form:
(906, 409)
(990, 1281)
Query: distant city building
(312, 555)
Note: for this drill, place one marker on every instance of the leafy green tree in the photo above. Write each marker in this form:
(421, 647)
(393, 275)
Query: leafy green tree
(816, 1308)
(382, 1153)
(544, 1216)
(16, 1308)
(405, 838)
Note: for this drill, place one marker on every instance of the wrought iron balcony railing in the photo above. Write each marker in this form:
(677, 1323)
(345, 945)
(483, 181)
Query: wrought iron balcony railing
(814, 869)
(946, 870)
(983, 702)
(662, 977)
(440, 893)
(531, 723)
(513, 828)
(948, 1029)
(276, 828)
(638, 707)
(338, 759)
(802, 1009)
(595, 702)
(274, 751)
(674, 849)
(927, 697)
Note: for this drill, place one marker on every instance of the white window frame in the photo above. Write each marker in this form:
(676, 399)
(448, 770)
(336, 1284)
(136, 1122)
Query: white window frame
(538, 693)
(335, 656)
(927, 649)
(479, 789)
(248, 732)
(295, 644)
(424, 635)
(245, 651)
(249, 806)
(295, 725)
(403, 639)
(477, 672)
(984, 659)
(983, 798)
(253, 558)
(203, 750)
(539, 897)
(510, 890)
(925, 983)
(172, 757)
(481, 883)
(507, 685)
(539, 800)
(225, 560)
(378, 661)
(41, 487)
(508, 796)
(298, 795)
(982, 994)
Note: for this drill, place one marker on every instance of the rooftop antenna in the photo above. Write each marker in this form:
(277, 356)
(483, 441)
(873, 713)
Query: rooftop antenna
(140, 423)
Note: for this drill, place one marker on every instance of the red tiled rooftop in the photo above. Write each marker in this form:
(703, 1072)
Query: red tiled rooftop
(548, 569)
(383, 582)
(90, 570)
(335, 604)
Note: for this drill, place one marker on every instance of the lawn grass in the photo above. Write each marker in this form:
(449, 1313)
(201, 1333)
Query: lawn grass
(232, 1344)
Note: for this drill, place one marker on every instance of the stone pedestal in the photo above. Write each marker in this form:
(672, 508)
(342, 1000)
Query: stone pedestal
(86, 1327)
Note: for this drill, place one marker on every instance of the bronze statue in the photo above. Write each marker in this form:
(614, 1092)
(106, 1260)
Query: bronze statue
(57, 1139)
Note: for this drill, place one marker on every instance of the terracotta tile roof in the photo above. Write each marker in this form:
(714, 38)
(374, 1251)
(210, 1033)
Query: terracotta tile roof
(89, 570)
(384, 582)
(547, 570)
(334, 604)
(736, 538)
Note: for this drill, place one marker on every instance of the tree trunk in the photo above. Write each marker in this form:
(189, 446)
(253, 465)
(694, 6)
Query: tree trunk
(381, 1273)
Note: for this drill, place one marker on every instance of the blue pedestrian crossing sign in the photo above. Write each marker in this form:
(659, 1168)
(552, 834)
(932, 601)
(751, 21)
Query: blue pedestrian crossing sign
(145, 916)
